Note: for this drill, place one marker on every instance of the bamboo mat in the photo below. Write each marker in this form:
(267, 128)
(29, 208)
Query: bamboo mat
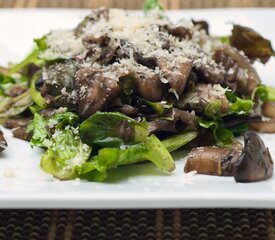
(219, 224)
(134, 4)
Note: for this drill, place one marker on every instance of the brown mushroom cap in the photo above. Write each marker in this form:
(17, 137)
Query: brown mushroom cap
(241, 75)
(266, 126)
(3, 142)
(255, 162)
(268, 109)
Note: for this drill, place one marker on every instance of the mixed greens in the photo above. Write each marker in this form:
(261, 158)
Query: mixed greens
(121, 89)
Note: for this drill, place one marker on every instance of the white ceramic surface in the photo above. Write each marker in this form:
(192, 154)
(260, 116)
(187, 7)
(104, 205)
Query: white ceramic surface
(138, 186)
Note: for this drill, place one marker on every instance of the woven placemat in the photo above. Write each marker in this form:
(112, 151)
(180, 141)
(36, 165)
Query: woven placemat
(193, 224)
(134, 4)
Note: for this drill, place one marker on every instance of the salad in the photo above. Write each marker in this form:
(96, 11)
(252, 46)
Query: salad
(121, 88)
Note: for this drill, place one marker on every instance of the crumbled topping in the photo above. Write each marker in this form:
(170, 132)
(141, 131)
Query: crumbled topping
(9, 172)
(63, 43)
(148, 35)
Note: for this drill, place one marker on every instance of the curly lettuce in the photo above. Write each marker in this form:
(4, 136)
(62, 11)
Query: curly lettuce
(59, 135)
(65, 152)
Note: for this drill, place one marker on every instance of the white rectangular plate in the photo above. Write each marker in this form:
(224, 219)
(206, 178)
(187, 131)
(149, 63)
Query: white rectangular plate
(137, 186)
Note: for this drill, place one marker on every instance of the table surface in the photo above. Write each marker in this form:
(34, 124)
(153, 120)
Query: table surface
(134, 4)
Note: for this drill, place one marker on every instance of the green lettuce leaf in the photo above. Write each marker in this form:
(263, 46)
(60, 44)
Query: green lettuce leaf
(113, 128)
(43, 50)
(240, 128)
(213, 109)
(65, 153)
(22, 67)
(12, 106)
(150, 5)
(41, 43)
(159, 107)
(35, 94)
(266, 93)
(7, 81)
(89, 171)
(270, 93)
(238, 106)
(41, 127)
(128, 85)
(175, 142)
(222, 135)
(61, 120)
(60, 136)
(225, 40)
(109, 158)
(125, 141)
(38, 126)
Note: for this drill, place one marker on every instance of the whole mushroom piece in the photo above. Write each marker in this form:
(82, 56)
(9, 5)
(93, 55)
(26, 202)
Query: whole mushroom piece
(268, 109)
(3, 142)
(255, 163)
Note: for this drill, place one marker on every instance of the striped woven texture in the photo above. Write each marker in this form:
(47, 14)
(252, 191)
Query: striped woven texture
(232, 224)
(134, 4)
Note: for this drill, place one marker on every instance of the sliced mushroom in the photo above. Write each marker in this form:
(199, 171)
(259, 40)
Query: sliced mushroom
(201, 25)
(3, 142)
(21, 133)
(240, 74)
(233, 121)
(268, 109)
(161, 125)
(255, 162)
(148, 84)
(265, 126)
(102, 48)
(3, 70)
(207, 70)
(17, 122)
(218, 161)
(95, 88)
(180, 120)
(19, 128)
(176, 73)
(149, 62)
(203, 95)
(128, 110)
(16, 90)
(180, 32)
